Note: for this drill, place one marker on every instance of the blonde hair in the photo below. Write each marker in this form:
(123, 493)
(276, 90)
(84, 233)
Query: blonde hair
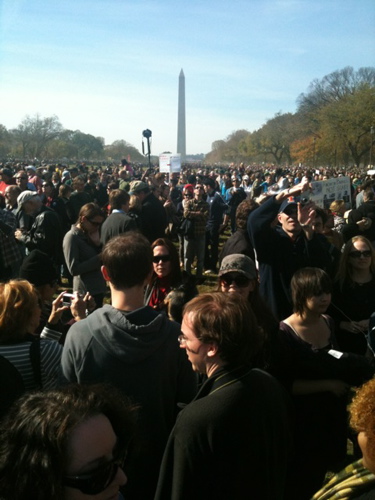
(344, 273)
(18, 300)
(337, 205)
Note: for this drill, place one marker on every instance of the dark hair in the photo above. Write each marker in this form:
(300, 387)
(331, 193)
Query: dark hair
(368, 194)
(175, 276)
(89, 211)
(117, 198)
(34, 436)
(243, 211)
(209, 182)
(64, 190)
(127, 259)
(179, 296)
(306, 283)
(320, 212)
(227, 320)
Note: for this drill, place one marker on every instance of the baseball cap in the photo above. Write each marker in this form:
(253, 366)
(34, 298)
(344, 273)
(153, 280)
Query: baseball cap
(137, 186)
(286, 204)
(238, 263)
(26, 196)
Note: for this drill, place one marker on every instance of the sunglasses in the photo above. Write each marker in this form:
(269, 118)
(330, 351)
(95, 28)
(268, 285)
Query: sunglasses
(238, 279)
(164, 258)
(94, 223)
(96, 481)
(356, 254)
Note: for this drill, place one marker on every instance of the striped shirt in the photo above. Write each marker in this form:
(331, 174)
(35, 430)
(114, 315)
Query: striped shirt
(50, 355)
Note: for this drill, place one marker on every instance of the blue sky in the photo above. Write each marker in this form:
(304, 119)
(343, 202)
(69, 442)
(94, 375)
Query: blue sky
(110, 67)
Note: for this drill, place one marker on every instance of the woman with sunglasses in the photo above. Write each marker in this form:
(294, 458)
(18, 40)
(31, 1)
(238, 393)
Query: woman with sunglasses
(238, 274)
(166, 275)
(353, 298)
(82, 250)
(67, 444)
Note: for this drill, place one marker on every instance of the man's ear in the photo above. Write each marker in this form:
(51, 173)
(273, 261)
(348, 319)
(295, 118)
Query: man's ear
(213, 350)
(105, 273)
(279, 217)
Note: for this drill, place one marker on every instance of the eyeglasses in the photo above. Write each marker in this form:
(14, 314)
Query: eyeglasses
(356, 254)
(96, 481)
(238, 279)
(23, 178)
(189, 195)
(181, 339)
(164, 258)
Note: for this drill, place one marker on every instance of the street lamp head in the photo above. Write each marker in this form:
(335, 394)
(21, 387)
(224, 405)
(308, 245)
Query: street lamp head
(147, 133)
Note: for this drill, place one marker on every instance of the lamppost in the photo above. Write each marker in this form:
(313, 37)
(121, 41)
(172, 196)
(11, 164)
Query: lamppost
(147, 135)
(371, 134)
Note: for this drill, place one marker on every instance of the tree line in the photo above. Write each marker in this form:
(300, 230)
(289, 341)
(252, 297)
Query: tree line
(40, 138)
(334, 125)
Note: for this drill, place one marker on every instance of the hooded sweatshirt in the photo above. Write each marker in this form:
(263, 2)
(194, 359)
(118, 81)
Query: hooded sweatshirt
(138, 352)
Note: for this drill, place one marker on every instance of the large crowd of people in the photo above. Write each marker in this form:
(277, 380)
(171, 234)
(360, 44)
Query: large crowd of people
(141, 382)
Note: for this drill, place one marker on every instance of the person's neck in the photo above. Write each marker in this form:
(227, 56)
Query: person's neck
(129, 299)
(212, 368)
(361, 275)
(308, 318)
(292, 235)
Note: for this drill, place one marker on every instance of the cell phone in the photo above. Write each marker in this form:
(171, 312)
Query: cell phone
(67, 299)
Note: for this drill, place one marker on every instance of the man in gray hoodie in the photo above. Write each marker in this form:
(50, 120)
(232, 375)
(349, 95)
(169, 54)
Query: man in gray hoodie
(136, 349)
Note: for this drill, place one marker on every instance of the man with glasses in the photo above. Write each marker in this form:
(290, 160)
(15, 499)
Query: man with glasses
(135, 348)
(232, 440)
(45, 233)
(196, 210)
(23, 183)
(10, 253)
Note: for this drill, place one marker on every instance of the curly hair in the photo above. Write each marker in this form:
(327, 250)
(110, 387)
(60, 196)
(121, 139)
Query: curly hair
(362, 412)
(35, 434)
(18, 300)
(243, 211)
(344, 273)
(228, 320)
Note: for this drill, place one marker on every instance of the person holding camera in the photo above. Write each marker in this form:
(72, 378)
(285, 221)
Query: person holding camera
(283, 249)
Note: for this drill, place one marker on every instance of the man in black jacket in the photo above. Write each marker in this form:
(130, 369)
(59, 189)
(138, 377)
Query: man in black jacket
(45, 233)
(153, 215)
(118, 221)
(232, 440)
(283, 249)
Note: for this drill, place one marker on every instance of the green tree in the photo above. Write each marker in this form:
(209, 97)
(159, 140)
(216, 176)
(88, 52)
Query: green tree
(275, 137)
(5, 138)
(35, 133)
(122, 149)
(340, 110)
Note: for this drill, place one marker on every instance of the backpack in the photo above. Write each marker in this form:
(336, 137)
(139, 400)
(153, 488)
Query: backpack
(11, 382)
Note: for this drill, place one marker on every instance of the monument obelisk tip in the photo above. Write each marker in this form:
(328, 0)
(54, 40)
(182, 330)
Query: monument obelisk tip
(181, 122)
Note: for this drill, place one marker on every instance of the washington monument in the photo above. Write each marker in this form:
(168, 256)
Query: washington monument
(181, 123)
